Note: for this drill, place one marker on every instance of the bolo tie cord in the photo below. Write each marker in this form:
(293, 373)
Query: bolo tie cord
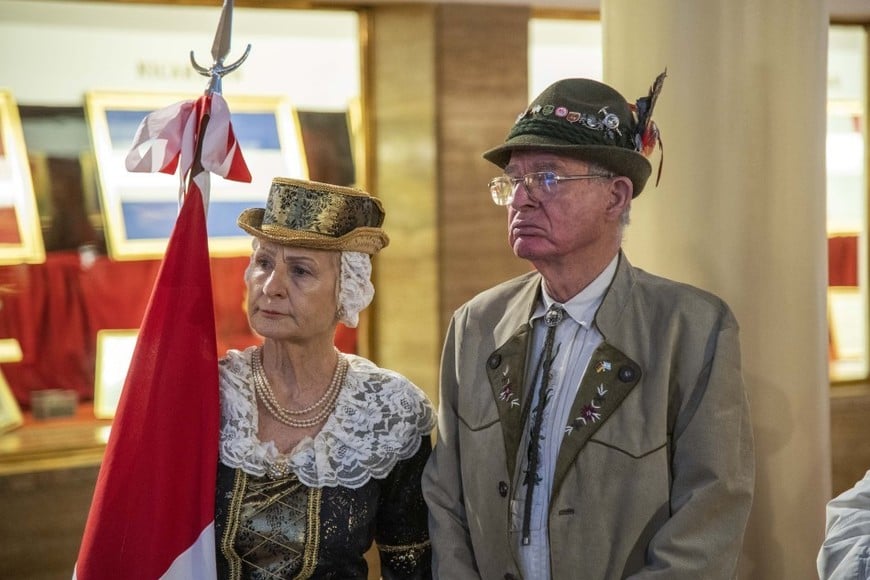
(553, 317)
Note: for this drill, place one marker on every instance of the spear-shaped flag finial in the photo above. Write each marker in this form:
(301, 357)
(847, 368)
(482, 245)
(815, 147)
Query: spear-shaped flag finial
(220, 50)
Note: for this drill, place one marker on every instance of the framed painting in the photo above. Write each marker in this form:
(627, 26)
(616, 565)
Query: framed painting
(329, 147)
(139, 209)
(20, 229)
(114, 353)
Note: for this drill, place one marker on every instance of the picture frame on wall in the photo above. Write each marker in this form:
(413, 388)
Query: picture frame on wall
(20, 229)
(10, 412)
(114, 354)
(139, 209)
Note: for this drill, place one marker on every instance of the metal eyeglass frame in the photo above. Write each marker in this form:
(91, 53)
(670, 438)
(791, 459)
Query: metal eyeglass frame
(502, 188)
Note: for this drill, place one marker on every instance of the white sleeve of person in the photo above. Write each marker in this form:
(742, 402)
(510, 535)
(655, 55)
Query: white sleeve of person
(845, 553)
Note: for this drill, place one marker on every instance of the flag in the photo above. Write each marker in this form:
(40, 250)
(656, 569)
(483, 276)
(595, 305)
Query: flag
(152, 514)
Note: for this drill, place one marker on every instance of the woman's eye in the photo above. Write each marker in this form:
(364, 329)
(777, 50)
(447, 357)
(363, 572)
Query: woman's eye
(300, 271)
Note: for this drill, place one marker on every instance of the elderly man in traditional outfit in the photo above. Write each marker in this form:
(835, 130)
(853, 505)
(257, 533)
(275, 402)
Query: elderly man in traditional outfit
(593, 418)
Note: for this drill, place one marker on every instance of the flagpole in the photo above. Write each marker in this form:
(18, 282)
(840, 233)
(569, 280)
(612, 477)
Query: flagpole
(152, 513)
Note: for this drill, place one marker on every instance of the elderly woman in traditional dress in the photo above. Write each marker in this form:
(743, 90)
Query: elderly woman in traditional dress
(321, 452)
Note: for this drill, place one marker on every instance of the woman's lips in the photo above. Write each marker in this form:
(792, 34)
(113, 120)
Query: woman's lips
(270, 312)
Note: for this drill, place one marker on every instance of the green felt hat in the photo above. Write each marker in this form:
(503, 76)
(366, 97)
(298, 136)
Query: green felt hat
(589, 120)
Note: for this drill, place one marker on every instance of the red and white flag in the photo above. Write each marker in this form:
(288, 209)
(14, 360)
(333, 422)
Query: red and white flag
(152, 514)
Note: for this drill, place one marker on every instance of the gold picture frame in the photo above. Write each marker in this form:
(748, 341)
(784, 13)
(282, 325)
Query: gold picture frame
(847, 334)
(114, 353)
(139, 209)
(10, 412)
(20, 229)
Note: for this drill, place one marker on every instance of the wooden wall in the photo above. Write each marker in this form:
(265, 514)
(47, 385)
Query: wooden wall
(442, 92)
(850, 435)
(482, 87)
(43, 517)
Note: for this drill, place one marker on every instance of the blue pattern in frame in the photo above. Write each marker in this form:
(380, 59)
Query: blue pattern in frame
(149, 220)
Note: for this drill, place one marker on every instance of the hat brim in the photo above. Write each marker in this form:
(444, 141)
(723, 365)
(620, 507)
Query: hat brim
(621, 161)
(362, 239)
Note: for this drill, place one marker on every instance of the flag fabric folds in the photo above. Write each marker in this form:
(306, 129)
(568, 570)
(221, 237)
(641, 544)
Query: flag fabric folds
(152, 513)
(167, 139)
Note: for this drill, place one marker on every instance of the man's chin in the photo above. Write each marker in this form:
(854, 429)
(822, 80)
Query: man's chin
(528, 249)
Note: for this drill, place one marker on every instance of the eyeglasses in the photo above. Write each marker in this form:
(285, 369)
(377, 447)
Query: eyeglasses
(541, 185)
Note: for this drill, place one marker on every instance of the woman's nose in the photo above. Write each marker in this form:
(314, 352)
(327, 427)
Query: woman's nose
(274, 285)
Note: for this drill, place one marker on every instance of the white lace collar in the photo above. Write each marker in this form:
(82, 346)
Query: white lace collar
(379, 419)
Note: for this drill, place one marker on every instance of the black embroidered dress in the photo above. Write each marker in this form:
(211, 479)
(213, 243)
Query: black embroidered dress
(314, 512)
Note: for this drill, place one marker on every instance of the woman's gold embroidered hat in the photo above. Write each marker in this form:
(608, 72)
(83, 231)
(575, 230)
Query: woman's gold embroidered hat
(318, 215)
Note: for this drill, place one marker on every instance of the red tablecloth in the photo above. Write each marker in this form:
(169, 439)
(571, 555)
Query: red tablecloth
(55, 309)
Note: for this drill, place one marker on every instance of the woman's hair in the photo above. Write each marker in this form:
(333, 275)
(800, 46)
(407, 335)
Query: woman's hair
(355, 288)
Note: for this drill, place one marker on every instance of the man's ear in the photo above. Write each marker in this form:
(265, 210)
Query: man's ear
(621, 190)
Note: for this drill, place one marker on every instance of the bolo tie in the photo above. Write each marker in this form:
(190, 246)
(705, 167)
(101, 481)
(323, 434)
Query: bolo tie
(554, 316)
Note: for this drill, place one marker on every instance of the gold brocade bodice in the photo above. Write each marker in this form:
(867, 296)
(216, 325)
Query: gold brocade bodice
(271, 529)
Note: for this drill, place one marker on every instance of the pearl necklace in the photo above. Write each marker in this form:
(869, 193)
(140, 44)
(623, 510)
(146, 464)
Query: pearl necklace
(321, 408)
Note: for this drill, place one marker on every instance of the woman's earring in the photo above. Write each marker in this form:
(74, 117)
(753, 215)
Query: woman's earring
(341, 312)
